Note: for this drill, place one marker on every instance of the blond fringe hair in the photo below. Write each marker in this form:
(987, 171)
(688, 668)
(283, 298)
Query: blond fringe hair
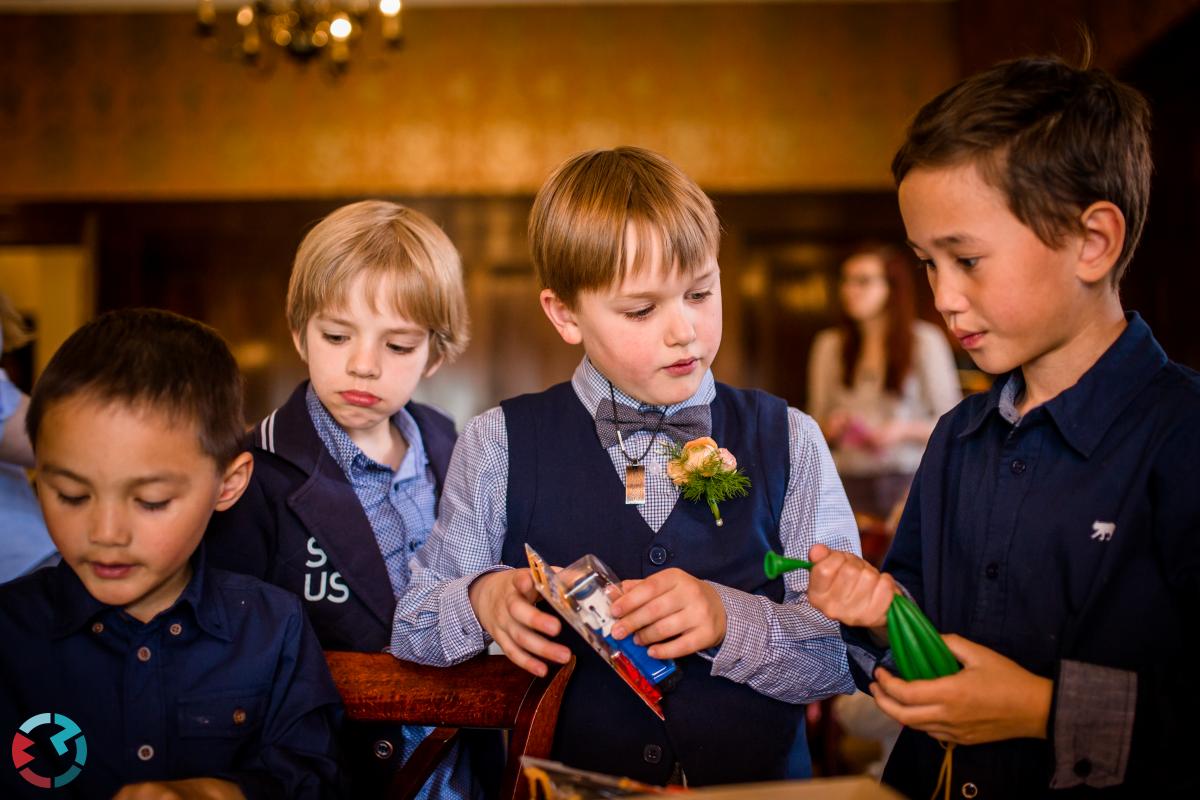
(580, 215)
(406, 259)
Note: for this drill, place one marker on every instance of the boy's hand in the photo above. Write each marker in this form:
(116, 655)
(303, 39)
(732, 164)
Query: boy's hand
(846, 588)
(992, 698)
(190, 789)
(670, 605)
(503, 604)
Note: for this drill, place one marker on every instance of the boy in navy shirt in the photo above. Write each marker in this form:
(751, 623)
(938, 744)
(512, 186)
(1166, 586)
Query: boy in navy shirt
(347, 472)
(132, 664)
(626, 247)
(1051, 530)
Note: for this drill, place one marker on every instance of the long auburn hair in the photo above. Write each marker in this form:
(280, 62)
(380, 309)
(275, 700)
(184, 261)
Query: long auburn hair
(901, 312)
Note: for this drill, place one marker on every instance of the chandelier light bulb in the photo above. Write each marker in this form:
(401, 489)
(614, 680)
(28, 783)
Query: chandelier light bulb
(339, 28)
(389, 8)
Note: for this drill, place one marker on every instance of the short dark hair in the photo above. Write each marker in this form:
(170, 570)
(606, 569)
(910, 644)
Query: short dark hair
(1051, 137)
(150, 358)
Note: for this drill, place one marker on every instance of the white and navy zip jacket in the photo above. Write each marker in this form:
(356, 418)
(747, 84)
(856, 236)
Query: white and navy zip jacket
(301, 526)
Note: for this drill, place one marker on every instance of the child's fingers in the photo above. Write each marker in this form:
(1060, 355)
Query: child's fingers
(537, 645)
(818, 553)
(518, 656)
(912, 716)
(914, 693)
(639, 593)
(665, 628)
(527, 615)
(655, 609)
(691, 642)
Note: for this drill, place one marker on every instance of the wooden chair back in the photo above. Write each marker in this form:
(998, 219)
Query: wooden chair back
(489, 691)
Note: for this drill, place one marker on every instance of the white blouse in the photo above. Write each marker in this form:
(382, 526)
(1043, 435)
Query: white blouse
(930, 390)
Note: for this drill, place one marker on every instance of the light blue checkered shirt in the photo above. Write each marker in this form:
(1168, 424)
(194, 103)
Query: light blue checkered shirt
(788, 650)
(400, 506)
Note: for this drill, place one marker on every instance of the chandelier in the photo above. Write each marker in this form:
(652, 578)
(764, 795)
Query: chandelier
(306, 29)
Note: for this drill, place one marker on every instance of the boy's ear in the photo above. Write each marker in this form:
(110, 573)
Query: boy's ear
(561, 317)
(1103, 240)
(298, 342)
(235, 479)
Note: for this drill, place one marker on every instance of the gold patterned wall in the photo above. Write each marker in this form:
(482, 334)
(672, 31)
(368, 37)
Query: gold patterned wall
(745, 97)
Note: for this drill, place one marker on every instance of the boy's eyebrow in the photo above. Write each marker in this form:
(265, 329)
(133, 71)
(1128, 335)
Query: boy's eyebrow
(165, 477)
(651, 294)
(949, 240)
(347, 323)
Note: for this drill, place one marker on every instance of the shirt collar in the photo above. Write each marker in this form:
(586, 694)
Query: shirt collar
(350, 456)
(75, 606)
(591, 387)
(1085, 411)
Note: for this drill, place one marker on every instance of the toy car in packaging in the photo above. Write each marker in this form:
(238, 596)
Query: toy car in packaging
(582, 594)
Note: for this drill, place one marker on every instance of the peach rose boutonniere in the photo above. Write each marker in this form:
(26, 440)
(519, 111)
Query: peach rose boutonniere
(703, 471)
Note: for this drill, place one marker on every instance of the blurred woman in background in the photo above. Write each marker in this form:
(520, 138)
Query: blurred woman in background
(879, 381)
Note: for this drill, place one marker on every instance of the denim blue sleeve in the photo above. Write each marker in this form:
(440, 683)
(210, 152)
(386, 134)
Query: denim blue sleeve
(10, 397)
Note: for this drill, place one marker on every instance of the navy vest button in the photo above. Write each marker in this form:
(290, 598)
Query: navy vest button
(1083, 767)
(969, 790)
(383, 749)
(652, 754)
(658, 555)
(992, 571)
(1017, 466)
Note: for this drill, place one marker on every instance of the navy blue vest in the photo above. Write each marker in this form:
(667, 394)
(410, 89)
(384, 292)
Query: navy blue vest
(566, 500)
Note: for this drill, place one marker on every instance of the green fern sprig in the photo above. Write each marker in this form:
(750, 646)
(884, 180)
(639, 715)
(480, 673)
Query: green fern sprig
(710, 481)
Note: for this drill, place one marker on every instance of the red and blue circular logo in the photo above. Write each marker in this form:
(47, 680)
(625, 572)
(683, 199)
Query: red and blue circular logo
(70, 750)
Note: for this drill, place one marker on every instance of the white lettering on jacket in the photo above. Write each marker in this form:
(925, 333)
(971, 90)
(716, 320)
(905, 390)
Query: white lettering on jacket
(331, 587)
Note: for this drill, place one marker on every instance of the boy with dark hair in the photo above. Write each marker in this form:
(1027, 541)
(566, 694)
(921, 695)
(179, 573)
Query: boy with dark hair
(132, 664)
(1051, 530)
(625, 245)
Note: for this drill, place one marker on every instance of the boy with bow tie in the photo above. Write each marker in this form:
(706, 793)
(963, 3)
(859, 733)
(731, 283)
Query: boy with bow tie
(625, 246)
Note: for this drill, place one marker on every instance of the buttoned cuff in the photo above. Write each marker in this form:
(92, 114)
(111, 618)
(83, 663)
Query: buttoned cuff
(458, 628)
(1092, 722)
(747, 635)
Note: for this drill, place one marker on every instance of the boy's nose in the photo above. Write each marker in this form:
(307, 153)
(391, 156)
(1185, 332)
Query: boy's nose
(681, 330)
(364, 363)
(110, 528)
(948, 297)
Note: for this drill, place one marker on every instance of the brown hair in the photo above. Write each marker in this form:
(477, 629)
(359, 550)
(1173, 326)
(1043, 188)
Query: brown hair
(150, 358)
(402, 253)
(577, 226)
(1053, 138)
(898, 270)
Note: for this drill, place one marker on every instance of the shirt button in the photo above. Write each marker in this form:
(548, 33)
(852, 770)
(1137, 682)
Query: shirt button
(383, 749)
(98, 627)
(1017, 466)
(145, 752)
(658, 557)
(239, 716)
(175, 629)
(992, 571)
(652, 754)
(1083, 767)
(143, 653)
(969, 790)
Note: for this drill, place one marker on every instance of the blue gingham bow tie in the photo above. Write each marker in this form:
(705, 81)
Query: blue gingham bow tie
(684, 425)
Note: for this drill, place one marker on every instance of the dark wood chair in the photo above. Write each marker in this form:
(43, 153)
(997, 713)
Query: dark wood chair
(488, 691)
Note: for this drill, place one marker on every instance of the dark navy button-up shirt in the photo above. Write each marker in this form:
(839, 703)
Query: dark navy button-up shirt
(229, 683)
(1069, 541)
